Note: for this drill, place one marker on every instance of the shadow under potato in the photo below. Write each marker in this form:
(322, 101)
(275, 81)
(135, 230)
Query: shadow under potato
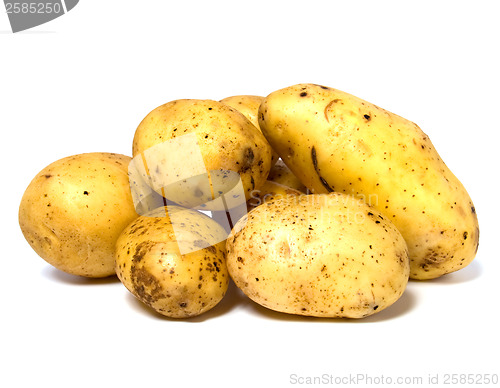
(233, 298)
(58, 276)
(473, 271)
(402, 306)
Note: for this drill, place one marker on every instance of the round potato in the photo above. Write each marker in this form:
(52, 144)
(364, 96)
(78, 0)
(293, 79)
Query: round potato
(74, 210)
(323, 255)
(173, 260)
(249, 106)
(198, 150)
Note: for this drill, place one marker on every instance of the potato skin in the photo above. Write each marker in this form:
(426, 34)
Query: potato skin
(281, 174)
(322, 255)
(150, 264)
(269, 191)
(74, 210)
(226, 138)
(248, 106)
(333, 141)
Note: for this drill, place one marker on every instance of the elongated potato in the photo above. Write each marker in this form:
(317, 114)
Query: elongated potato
(333, 141)
(323, 255)
(248, 106)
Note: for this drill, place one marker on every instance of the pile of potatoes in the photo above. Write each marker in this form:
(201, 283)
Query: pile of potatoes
(343, 201)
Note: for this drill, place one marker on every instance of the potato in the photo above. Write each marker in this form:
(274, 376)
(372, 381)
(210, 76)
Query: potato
(246, 105)
(209, 148)
(249, 107)
(281, 174)
(322, 255)
(269, 191)
(174, 261)
(74, 210)
(333, 141)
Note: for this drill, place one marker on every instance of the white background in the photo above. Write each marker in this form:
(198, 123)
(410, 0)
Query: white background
(83, 82)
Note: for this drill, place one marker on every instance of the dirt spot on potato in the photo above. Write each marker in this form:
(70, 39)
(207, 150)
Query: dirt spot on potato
(141, 250)
(248, 158)
(433, 258)
(147, 287)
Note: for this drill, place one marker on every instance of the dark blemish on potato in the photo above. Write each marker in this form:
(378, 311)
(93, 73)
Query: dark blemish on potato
(172, 271)
(248, 158)
(465, 235)
(212, 249)
(209, 108)
(303, 94)
(377, 222)
(252, 181)
(432, 259)
(148, 289)
(370, 213)
(240, 260)
(184, 304)
(48, 176)
(141, 250)
(85, 192)
(375, 307)
(473, 209)
(367, 117)
(315, 164)
(325, 112)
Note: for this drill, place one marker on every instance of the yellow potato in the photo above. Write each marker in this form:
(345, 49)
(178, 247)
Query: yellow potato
(249, 106)
(323, 255)
(213, 147)
(268, 191)
(174, 263)
(74, 210)
(281, 174)
(333, 141)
